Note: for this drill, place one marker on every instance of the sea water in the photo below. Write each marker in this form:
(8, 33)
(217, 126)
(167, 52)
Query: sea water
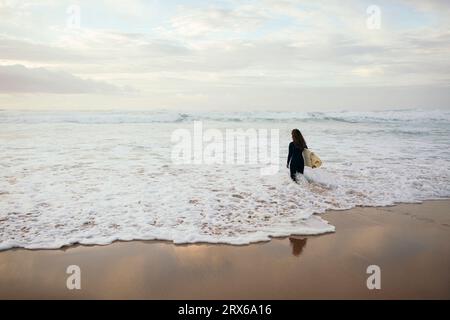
(96, 177)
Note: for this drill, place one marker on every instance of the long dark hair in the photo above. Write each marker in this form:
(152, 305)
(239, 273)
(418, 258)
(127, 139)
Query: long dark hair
(298, 139)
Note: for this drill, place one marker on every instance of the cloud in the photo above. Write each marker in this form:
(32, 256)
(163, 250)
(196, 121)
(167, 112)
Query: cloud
(433, 6)
(194, 22)
(174, 50)
(15, 49)
(19, 79)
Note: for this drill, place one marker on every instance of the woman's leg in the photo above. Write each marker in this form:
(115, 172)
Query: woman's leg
(301, 169)
(301, 166)
(293, 173)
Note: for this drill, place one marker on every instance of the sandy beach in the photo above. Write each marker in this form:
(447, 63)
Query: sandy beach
(409, 242)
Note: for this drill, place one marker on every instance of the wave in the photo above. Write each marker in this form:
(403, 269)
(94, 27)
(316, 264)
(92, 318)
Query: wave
(397, 116)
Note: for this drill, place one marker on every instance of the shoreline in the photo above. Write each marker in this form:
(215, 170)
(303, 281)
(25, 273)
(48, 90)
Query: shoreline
(410, 243)
(326, 213)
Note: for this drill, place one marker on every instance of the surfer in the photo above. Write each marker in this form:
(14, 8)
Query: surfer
(295, 160)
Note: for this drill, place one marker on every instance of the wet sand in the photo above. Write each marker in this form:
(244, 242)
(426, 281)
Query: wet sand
(409, 242)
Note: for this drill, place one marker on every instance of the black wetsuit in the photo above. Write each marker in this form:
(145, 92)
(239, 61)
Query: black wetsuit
(295, 160)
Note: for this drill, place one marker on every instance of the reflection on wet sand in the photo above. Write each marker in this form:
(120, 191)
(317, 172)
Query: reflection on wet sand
(297, 245)
(333, 266)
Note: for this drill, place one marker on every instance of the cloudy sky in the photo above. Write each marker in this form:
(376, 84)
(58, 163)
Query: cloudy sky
(224, 55)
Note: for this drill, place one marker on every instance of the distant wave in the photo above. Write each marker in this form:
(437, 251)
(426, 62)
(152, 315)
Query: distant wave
(176, 117)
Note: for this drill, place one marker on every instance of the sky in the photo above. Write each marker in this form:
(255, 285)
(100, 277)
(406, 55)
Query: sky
(271, 55)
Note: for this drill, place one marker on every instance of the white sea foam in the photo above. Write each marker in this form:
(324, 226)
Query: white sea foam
(93, 178)
(394, 116)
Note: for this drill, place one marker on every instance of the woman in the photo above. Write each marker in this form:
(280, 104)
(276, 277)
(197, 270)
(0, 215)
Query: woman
(295, 158)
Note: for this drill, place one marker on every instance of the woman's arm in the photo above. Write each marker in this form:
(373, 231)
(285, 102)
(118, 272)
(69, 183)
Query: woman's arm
(289, 155)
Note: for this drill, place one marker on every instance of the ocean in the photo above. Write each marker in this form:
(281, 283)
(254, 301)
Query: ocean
(96, 177)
